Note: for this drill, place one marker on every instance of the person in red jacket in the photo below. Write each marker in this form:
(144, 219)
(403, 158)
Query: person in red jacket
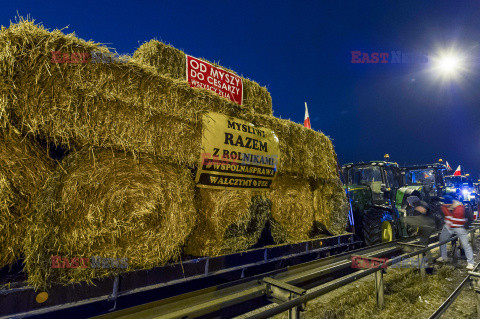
(457, 221)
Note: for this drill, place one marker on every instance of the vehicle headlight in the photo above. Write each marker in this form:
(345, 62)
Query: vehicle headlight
(465, 193)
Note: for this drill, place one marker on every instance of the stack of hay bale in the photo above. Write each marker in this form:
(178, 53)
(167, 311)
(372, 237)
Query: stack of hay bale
(131, 135)
(307, 193)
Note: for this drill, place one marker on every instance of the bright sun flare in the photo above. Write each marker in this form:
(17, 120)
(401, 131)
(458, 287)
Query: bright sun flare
(449, 64)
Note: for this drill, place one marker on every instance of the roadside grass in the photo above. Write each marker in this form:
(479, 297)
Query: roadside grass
(406, 296)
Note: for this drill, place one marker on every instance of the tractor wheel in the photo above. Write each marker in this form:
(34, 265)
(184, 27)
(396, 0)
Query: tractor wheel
(377, 230)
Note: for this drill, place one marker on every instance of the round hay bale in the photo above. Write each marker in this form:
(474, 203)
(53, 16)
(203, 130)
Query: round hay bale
(229, 221)
(246, 233)
(111, 205)
(292, 209)
(331, 207)
(24, 168)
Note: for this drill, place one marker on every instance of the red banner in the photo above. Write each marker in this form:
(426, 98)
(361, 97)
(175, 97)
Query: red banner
(201, 74)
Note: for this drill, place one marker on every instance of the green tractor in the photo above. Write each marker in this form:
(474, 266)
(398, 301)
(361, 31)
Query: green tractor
(372, 188)
(427, 182)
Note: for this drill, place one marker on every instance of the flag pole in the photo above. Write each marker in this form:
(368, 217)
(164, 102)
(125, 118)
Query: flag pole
(306, 121)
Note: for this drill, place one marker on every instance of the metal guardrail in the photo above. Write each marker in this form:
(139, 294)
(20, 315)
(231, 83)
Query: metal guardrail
(298, 302)
(244, 296)
(287, 288)
(474, 278)
(448, 302)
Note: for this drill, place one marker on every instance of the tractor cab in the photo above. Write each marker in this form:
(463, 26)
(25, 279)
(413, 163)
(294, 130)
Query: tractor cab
(427, 182)
(371, 188)
(378, 178)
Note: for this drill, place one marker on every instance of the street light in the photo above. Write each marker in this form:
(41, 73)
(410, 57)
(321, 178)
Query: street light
(449, 64)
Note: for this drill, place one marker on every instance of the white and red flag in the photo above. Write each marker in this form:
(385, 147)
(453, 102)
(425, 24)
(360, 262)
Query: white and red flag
(306, 121)
(458, 171)
(448, 166)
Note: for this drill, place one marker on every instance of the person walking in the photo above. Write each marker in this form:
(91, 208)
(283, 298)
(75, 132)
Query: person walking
(457, 221)
(421, 218)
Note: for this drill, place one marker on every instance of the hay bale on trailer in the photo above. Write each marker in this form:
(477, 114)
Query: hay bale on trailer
(331, 206)
(229, 221)
(303, 152)
(307, 158)
(124, 106)
(112, 205)
(171, 62)
(24, 168)
(292, 209)
(148, 109)
(128, 106)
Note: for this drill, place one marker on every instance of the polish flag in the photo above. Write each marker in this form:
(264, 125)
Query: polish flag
(306, 121)
(448, 166)
(458, 172)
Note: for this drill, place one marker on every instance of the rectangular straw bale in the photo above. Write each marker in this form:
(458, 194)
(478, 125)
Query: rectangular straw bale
(171, 62)
(303, 152)
(120, 105)
(331, 206)
(229, 221)
(292, 209)
(128, 106)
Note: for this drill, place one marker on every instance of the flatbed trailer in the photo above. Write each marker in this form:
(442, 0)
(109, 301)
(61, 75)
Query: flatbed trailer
(144, 286)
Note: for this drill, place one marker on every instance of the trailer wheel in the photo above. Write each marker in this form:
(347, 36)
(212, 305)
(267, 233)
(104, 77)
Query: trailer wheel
(377, 229)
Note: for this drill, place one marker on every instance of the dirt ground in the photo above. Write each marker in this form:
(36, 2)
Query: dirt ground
(406, 295)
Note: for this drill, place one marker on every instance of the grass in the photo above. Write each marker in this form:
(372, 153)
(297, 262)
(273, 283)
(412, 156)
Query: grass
(406, 297)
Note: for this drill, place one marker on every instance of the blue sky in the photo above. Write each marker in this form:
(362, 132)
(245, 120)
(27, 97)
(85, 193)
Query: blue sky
(301, 50)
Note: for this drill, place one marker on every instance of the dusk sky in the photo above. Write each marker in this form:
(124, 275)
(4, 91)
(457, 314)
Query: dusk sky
(302, 52)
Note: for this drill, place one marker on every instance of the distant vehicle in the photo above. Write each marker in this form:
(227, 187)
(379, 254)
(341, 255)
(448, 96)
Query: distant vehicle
(463, 188)
(371, 188)
(427, 182)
